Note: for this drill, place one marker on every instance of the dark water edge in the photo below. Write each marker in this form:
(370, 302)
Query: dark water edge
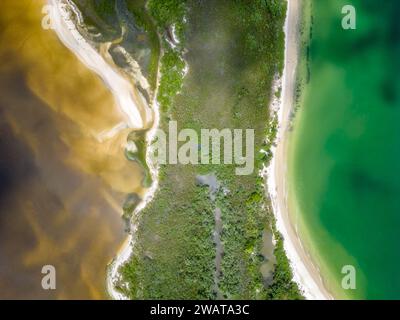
(345, 149)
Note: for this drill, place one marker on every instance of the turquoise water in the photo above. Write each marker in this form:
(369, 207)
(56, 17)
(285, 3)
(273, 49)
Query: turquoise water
(345, 149)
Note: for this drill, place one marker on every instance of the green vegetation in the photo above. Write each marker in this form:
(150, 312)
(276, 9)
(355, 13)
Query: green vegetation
(233, 50)
(172, 66)
(172, 261)
(168, 13)
(174, 255)
(282, 287)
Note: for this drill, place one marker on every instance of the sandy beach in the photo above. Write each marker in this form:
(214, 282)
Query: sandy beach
(122, 90)
(305, 272)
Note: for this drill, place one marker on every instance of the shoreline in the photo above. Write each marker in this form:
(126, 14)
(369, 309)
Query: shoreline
(305, 273)
(121, 90)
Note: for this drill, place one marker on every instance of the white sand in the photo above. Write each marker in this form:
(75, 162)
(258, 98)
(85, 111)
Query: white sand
(72, 39)
(306, 275)
(113, 273)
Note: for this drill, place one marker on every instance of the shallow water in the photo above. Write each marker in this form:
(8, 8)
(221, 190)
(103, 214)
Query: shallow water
(345, 150)
(61, 189)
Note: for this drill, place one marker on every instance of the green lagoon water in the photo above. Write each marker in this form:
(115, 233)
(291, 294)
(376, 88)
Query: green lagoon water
(344, 153)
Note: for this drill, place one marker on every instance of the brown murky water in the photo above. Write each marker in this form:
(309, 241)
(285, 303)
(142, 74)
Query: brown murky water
(61, 189)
